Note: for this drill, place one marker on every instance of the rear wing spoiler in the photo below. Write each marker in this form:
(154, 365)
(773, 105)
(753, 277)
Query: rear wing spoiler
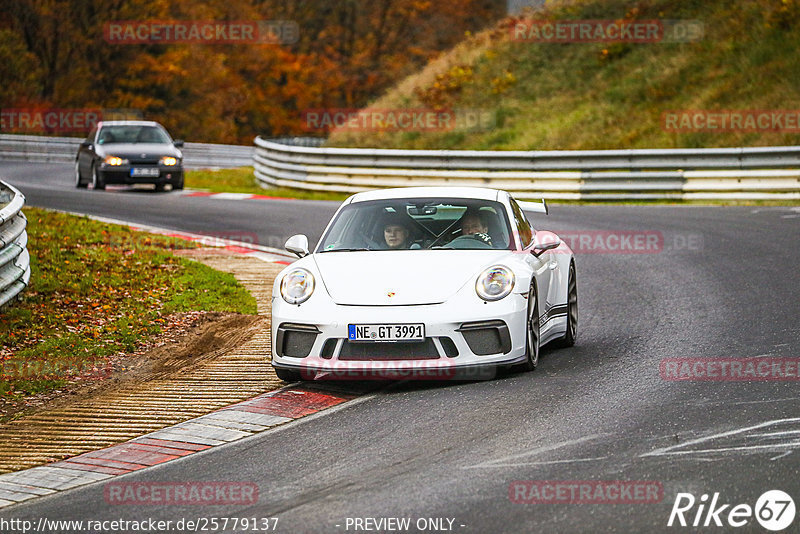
(538, 207)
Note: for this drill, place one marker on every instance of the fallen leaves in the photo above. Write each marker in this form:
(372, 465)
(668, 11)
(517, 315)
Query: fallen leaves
(95, 290)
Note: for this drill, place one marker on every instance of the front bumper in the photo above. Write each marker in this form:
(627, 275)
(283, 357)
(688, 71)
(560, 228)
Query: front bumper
(465, 338)
(121, 174)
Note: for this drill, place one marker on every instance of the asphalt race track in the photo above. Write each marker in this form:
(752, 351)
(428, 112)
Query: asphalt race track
(722, 284)
(52, 186)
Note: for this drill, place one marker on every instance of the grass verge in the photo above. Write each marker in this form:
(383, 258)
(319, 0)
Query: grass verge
(242, 180)
(98, 290)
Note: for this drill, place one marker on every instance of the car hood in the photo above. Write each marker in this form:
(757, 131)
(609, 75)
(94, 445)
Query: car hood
(411, 277)
(135, 150)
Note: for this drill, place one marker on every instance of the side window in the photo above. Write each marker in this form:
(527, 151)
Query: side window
(523, 226)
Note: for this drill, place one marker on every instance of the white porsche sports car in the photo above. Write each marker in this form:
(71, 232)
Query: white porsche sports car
(423, 282)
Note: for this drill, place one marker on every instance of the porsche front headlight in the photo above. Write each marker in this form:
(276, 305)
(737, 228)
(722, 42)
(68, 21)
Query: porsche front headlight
(297, 286)
(494, 283)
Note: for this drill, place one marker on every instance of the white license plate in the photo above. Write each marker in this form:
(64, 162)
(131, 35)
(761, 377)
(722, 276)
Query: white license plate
(145, 171)
(386, 332)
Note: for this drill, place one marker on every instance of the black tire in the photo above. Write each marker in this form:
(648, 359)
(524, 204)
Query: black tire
(531, 334)
(159, 188)
(178, 185)
(568, 339)
(98, 183)
(287, 376)
(79, 183)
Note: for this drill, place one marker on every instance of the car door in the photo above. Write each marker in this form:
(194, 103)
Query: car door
(555, 274)
(86, 153)
(540, 265)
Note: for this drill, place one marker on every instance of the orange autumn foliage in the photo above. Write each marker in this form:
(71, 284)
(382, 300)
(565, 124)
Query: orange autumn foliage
(53, 53)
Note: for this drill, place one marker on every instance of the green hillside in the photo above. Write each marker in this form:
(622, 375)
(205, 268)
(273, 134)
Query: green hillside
(550, 96)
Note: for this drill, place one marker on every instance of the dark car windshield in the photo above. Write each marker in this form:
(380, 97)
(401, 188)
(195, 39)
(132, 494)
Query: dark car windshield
(132, 134)
(419, 224)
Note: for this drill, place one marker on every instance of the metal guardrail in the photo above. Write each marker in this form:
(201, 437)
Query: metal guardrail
(64, 149)
(15, 262)
(643, 174)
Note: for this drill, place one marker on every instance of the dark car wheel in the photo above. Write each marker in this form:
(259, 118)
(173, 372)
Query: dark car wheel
(79, 183)
(178, 185)
(97, 179)
(572, 311)
(287, 376)
(531, 334)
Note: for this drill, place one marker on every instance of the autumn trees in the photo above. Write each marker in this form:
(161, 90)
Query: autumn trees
(53, 53)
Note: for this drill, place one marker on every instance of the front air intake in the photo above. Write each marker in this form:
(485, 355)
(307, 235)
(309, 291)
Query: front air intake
(295, 340)
(486, 337)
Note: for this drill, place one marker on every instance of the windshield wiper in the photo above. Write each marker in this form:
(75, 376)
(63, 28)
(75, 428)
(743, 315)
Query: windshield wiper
(345, 250)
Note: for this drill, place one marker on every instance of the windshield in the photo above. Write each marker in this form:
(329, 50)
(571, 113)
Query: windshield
(132, 134)
(418, 224)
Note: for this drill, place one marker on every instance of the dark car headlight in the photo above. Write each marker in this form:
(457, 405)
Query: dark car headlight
(115, 161)
(168, 161)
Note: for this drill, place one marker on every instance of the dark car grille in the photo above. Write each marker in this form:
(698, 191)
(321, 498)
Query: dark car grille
(423, 350)
(144, 161)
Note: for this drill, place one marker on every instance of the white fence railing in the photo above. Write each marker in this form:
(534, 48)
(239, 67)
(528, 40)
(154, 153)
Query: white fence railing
(644, 174)
(15, 264)
(64, 149)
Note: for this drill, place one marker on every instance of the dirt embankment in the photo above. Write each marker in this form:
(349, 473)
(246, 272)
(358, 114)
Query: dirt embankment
(189, 340)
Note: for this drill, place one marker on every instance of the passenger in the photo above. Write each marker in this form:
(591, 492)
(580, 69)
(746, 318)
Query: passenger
(396, 232)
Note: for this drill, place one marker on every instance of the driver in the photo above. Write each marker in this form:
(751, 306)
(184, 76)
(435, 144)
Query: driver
(396, 233)
(475, 223)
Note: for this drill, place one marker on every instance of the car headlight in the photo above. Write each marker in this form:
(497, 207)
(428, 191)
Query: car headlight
(169, 161)
(297, 285)
(115, 160)
(494, 283)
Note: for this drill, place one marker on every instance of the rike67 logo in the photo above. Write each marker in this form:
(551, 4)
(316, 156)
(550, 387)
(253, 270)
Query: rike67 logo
(774, 510)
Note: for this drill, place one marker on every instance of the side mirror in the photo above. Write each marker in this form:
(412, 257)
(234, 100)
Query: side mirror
(86, 143)
(540, 249)
(178, 143)
(297, 245)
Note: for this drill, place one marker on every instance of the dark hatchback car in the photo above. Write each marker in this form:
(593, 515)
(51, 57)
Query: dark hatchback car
(129, 152)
